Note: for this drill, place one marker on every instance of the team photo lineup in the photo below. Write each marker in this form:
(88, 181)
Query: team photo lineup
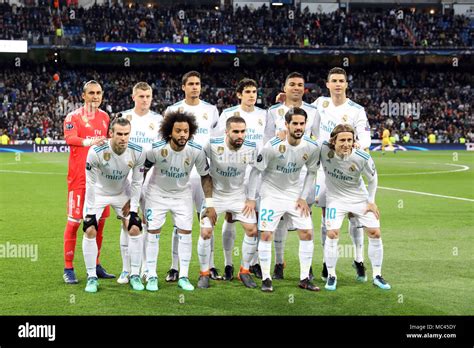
(196, 170)
(194, 157)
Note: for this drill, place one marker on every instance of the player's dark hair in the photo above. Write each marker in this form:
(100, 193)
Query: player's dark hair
(245, 82)
(293, 75)
(188, 75)
(340, 128)
(171, 118)
(234, 119)
(337, 70)
(88, 83)
(295, 111)
(121, 121)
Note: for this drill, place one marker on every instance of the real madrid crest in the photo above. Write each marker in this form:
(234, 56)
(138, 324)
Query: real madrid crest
(260, 122)
(305, 157)
(236, 114)
(353, 167)
(244, 160)
(220, 150)
(325, 104)
(331, 154)
(130, 164)
(128, 117)
(106, 156)
(281, 112)
(151, 126)
(164, 152)
(187, 162)
(282, 148)
(344, 118)
(181, 110)
(204, 116)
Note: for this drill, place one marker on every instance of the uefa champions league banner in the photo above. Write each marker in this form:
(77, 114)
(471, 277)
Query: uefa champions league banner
(163, 48)
(35, 148)
(62, 147)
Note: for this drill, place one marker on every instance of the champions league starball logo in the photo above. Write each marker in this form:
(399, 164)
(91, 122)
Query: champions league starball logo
(119, 49)
(166, 49)
(212, 50)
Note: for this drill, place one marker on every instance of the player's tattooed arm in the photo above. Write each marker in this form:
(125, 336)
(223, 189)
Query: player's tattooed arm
(210, 212)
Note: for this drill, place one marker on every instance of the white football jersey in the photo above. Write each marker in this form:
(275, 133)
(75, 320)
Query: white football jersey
(344, 180)
(255, 122)
(145, 129)
(282, 163)
(106, 172)
(329, 116)
(206, 115)
(228, 167)
(170, 176)
(276, 119)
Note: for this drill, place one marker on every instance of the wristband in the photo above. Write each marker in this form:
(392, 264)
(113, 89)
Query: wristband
(209, 203)
(87, 142)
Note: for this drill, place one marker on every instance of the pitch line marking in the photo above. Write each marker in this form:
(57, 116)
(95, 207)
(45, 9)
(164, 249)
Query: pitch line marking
(426, 194)
(28, 172)
(462, 168)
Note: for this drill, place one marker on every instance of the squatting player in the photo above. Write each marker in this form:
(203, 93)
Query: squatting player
(107, 169)
(145, 131)
(206, 117)
(169, 190)
(255, 120)
(83, 128)
(229, 158)
(281, 162)
(346, 193)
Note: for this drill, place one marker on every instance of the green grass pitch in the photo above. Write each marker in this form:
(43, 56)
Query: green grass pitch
(428, 256)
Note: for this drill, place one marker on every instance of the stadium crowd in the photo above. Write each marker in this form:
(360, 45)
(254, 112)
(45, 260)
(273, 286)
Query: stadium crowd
(360, 28)
(440, 102)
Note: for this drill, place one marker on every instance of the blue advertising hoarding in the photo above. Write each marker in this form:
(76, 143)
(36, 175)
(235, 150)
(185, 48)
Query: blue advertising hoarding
(163, 48)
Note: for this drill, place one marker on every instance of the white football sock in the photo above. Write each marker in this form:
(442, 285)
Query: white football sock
(204, 249)
(174, 248)
(184, 253)
(331, 255)
(265, 256)
(357, 236)
(135, 249)
(249, 247)
(228, 239)
(211, 253)
(376, 255)
(143, 267)
(279, 238)
(89, 250)
(323, 233)
(152, 251)
(306, 257)
(124, 250)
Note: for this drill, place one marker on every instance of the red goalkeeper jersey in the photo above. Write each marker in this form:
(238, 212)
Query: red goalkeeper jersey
(80, 125)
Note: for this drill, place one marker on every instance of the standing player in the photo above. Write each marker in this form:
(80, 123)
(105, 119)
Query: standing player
(207, 117)
(107, 168)
(145, 125)
(281, 162)
(83, 128)
(229, 157)
(334, 110)
(294, 91)
(169, 190)
(346, 193)
(255, 119)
